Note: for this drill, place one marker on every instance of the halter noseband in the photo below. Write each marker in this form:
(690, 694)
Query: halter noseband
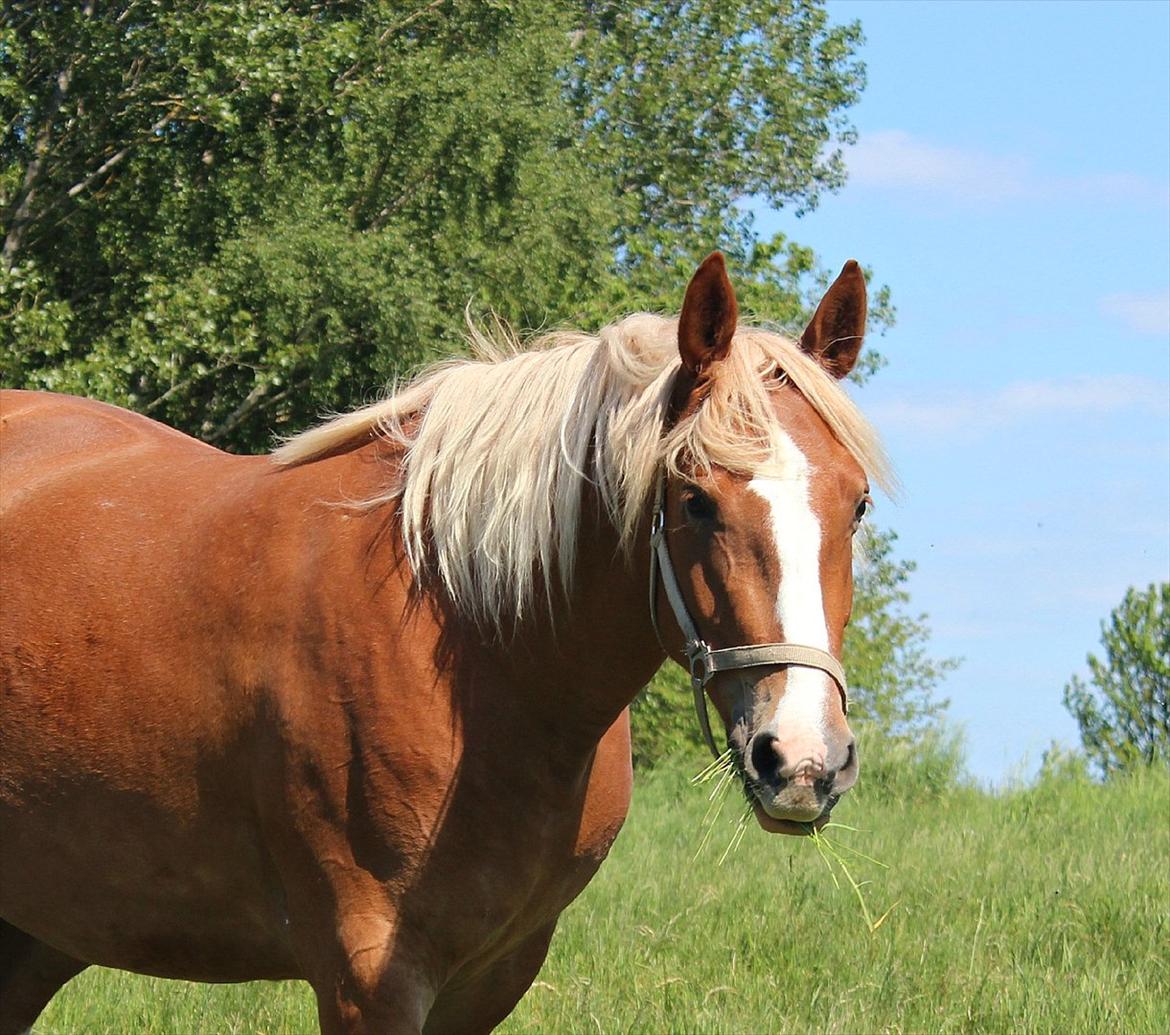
(705, 662)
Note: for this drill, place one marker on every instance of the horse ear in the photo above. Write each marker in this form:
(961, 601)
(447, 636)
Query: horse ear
(834, 335)
(709, 313)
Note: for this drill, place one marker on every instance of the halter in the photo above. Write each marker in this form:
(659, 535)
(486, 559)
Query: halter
(705, 662)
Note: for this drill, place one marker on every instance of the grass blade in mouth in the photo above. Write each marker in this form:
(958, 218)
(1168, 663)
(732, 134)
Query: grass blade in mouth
(714, 768)
(831, 852)
(723, 771)
(716, 800)
(740, 828)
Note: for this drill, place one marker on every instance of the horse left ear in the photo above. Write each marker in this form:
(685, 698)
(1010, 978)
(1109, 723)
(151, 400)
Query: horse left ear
(834, 335)
(706, 324)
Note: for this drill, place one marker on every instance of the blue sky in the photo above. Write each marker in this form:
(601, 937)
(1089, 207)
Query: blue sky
(1011, 183)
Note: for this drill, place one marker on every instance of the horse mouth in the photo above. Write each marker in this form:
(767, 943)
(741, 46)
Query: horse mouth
(793, 827)
(788, 826)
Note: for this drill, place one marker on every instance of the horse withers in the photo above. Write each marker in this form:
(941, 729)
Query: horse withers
(355, 713)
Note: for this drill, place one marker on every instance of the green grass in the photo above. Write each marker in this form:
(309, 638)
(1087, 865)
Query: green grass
(1042, 909)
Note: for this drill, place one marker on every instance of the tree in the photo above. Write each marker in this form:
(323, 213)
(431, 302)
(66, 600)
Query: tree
(893, 678)
(1125, 717)
(234, 216)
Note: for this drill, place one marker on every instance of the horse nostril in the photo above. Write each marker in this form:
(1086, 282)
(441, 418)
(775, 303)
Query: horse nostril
(850, 756)
(767, 760)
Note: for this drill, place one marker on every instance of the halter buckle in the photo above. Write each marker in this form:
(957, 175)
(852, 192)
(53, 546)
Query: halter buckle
(698, 654)
(657, 525)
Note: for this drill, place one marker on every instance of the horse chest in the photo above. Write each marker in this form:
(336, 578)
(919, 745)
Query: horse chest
(547, 852)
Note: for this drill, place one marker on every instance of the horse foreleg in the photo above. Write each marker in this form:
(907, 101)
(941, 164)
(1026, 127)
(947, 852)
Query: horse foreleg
(31, 973)
(366, 982)
(479, 1003)
(395, 1005)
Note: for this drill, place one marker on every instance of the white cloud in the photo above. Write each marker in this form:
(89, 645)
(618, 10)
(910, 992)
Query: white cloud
(894, 159)
(946, 411)
(1144, 313)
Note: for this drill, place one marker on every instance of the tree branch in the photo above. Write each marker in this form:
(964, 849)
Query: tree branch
(257, 399)
(240, 413)
(22, 210)
(22, 205)
(388, 32)
(117, 157)
(183, 385)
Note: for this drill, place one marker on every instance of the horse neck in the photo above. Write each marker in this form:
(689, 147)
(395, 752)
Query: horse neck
(573, 670)
(589, 659)
(569, 672)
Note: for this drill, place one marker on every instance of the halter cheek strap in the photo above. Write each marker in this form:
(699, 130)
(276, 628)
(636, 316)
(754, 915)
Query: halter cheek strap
(705, 662)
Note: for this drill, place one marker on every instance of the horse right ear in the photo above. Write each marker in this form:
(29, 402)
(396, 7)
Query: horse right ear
(709, 314)
(834, 335)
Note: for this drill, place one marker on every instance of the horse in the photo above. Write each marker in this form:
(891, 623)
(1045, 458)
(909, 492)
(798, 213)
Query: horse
(356, 712)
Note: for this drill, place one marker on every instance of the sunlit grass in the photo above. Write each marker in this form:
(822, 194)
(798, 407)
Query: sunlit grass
(1042, 909)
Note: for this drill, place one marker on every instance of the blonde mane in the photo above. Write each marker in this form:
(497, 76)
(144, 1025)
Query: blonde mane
(496, 448)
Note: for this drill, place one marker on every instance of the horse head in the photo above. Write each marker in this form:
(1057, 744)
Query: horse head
(761, 550)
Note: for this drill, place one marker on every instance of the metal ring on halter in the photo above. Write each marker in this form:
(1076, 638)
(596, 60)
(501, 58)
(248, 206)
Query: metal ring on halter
(705, 662)
(697, 654)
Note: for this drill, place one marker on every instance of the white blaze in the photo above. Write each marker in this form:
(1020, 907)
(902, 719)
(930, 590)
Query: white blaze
(799, 720)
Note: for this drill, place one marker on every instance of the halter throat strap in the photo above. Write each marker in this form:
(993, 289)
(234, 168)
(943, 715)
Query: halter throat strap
(703, 661)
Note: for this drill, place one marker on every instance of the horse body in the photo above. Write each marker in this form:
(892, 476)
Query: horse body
(287, 751)
(358, 716)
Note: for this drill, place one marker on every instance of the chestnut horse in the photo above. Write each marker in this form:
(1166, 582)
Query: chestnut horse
(356, 713)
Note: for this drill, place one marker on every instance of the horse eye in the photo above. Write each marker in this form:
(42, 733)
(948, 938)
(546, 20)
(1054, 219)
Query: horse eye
(863, 508)
(698, 505)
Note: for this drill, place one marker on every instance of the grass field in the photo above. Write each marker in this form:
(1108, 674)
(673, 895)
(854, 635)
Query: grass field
(1041, 909)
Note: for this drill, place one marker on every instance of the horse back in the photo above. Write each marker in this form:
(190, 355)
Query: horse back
(43, 428)
(124, 722)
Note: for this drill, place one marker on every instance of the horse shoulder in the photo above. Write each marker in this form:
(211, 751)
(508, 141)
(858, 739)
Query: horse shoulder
(607, 796)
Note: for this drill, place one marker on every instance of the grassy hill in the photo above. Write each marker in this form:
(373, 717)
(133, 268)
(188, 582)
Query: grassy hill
(1039, 909)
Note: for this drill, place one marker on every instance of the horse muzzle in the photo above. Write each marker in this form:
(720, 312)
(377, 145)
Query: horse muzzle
(792, 786)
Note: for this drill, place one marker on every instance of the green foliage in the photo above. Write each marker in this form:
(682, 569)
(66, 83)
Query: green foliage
(236, 215)
(900, 723)
(1061, 766)
(691, 108)
(1125, 717)
(663, 724)
(922, 767)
